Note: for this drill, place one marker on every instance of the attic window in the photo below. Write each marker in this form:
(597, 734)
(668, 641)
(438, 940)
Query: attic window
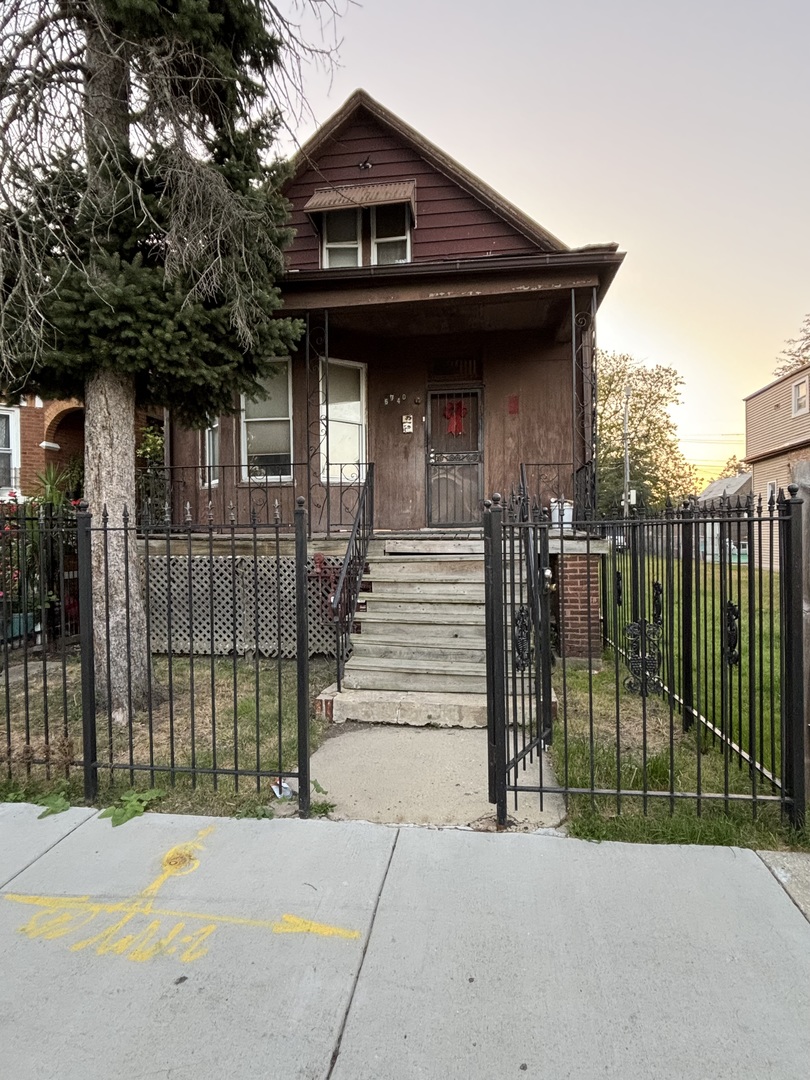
(341, 238)
(364, 224)
(378, 235)
(390, 234)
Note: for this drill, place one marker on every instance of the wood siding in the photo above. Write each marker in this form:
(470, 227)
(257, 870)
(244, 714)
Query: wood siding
(526, 391)
(451, 223)
(769, 424)
(526, 402)
(775, 470)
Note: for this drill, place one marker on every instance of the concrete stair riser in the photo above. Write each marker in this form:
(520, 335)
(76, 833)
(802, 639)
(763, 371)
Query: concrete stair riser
(412, 708)
(421, 627)
(471, 651)
(379, 678)
(440, 611)
(396, 571)
(425, 592)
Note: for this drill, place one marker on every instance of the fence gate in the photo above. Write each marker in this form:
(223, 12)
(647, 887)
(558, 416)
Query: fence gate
(668, 651)
(519, 650)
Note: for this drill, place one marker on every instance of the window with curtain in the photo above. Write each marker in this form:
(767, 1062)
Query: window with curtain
(267, 428)
(343, 408)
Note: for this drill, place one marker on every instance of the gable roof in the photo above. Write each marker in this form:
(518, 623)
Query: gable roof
(308, 154)
(728, 486)
(797, 373)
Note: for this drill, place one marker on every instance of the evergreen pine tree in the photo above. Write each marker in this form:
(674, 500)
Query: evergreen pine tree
(141, 233)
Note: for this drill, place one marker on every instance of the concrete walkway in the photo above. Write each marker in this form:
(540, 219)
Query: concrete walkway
(396, 774)
(186, 947)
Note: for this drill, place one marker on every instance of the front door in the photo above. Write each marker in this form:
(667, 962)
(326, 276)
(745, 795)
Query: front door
(454, 457)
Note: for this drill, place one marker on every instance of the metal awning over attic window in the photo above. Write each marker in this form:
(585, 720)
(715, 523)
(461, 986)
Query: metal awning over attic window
(346, 196)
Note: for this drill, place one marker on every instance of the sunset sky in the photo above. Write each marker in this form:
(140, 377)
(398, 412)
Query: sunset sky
(680, 131)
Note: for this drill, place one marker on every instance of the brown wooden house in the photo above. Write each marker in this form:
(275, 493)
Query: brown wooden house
(448, 339)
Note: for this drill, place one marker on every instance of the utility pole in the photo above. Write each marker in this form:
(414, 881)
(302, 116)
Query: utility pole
(626, 443)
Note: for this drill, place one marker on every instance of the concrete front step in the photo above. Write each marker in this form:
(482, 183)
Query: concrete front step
(422, 623)
(422, 626)
(446, 592)
(417, 709)
(444, 610)
(443, 650)
(373, 673)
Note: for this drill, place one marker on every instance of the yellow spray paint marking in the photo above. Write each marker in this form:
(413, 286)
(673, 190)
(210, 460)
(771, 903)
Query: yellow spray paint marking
(137, 929)
(291, 924)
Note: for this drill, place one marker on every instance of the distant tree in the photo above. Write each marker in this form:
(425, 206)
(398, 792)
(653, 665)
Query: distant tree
(141, 233)
(658, 468)
(733, 467)
(796, 353)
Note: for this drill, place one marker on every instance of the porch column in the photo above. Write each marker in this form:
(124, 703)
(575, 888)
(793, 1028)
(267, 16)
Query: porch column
(583, 402)
(316, 355)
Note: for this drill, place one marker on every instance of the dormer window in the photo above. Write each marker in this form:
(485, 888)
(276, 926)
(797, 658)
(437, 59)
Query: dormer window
(341, 238)
(390, 234)
(364, 224)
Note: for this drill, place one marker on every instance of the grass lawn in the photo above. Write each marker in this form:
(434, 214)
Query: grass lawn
(603, 739)
(743, 697)
(222, 712)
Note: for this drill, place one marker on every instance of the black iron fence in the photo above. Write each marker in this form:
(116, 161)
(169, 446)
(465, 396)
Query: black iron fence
(207, 494)
(660, 658)
(178, 656)
(38, 575)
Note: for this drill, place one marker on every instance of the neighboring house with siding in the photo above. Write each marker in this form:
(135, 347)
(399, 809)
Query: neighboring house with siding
(777, 432)
(727, 491)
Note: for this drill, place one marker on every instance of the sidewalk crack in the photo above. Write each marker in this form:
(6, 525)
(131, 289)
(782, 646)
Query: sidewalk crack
(56, 843)
(336, 1052)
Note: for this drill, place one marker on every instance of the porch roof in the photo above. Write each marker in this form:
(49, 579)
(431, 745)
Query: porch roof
(479, 295)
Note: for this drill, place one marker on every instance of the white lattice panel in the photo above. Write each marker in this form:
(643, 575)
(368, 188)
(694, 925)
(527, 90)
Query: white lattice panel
(221, 605)
(269, 605)
(181, 591)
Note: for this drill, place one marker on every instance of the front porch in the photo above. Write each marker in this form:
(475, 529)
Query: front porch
(444, 376)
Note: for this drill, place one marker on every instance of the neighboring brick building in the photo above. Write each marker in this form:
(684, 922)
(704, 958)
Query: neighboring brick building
(35, 434)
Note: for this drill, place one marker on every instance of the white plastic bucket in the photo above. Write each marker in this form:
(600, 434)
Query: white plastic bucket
(562, 514)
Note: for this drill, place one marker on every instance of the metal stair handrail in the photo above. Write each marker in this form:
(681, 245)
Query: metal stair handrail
(344, 599)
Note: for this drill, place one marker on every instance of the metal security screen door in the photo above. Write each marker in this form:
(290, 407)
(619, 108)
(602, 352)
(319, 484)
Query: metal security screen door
(454, 458)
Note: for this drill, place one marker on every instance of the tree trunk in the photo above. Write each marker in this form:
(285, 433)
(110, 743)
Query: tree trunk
(119, 617)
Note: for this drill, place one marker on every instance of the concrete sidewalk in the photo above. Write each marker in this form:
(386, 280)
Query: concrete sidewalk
(183, 947)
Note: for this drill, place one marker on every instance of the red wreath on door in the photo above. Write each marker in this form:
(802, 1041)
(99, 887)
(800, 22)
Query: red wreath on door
(454, 413)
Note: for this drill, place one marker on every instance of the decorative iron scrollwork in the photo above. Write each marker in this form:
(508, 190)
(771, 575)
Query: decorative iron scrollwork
(521, 638)
(463, 457)
(732, 634)
(644, 666)
(658, 602)
(644, 648)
